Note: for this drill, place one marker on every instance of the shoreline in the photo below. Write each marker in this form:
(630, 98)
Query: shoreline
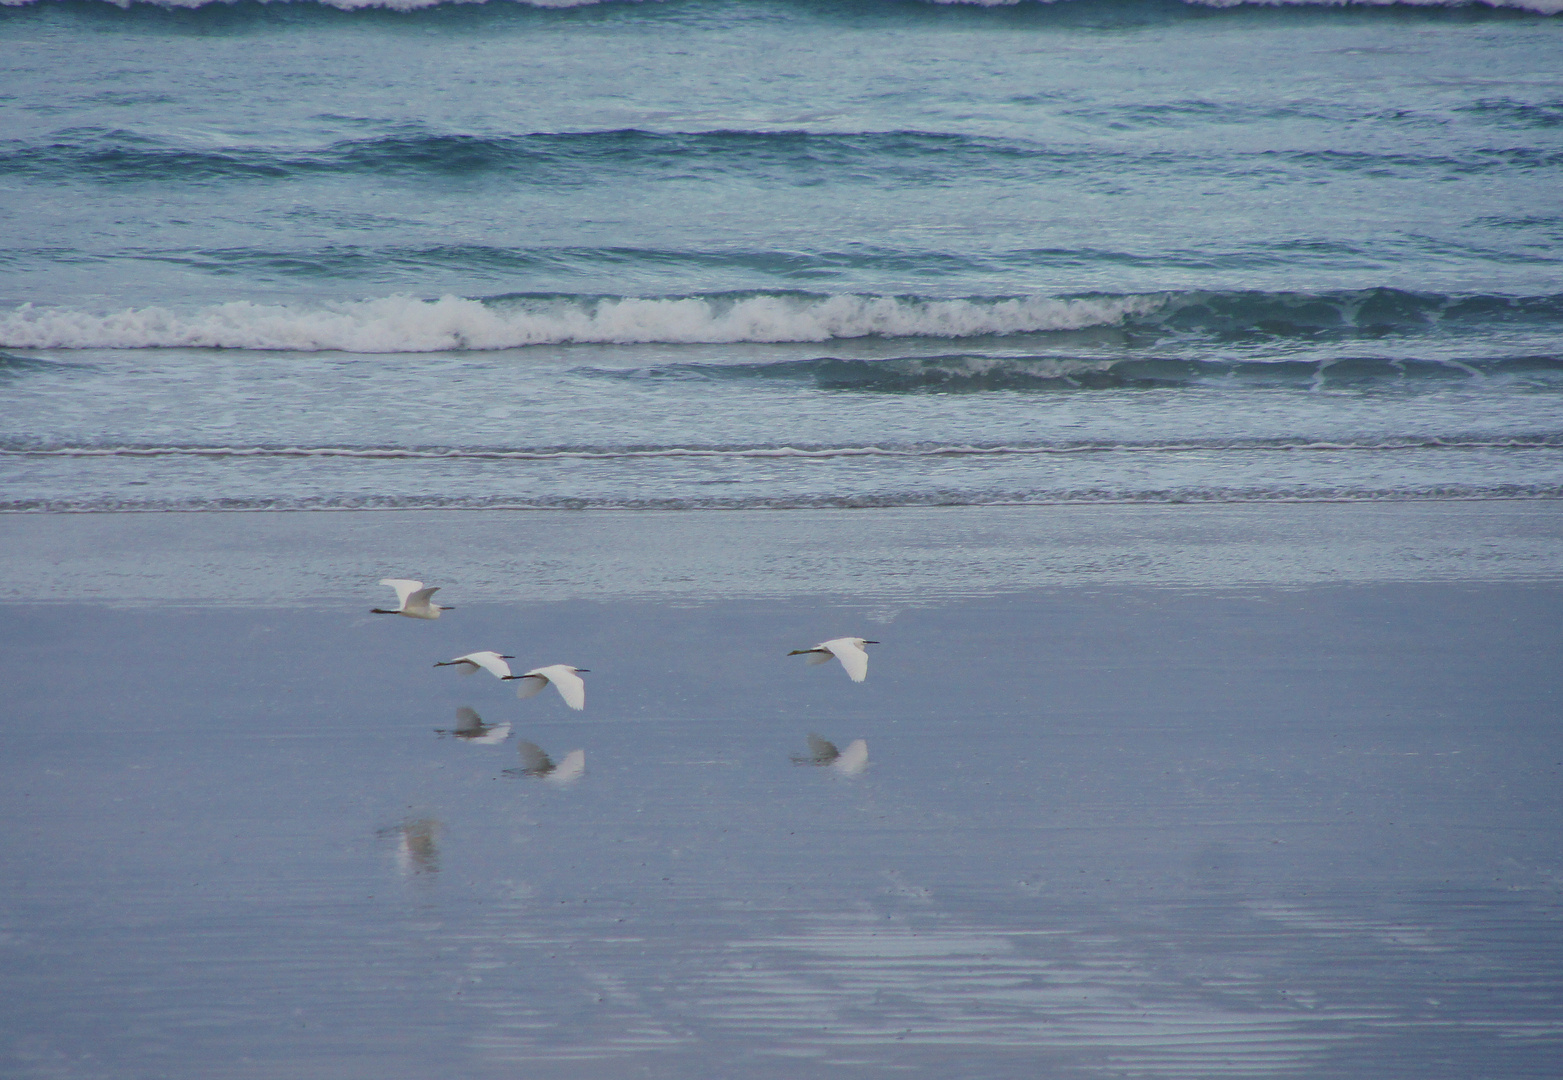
(282, 557)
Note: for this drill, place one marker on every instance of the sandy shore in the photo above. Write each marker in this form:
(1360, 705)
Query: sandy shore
(1151, 791)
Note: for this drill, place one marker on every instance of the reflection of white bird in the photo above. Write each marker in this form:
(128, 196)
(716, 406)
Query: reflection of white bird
(849, 650)
(416, 851)
(534, 762)
(413, 600)
(488, 660)
(471, 728)
(852, 760)
(564, 678)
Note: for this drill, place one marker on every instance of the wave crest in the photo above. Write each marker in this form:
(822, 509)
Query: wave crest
(403, 324)
(399, 324)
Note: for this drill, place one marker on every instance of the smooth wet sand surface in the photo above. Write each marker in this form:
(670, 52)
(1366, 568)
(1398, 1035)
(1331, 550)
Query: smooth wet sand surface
(1168, 817)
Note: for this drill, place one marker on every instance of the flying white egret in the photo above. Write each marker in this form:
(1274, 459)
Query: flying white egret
(849, 650)
(535, 762)
(413, 600)
(564, 678)
(488, 660)
(851, 761)
(471, 728)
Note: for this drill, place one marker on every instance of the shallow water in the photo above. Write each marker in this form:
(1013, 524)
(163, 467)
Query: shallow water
(1116, 830)
(1177, 818)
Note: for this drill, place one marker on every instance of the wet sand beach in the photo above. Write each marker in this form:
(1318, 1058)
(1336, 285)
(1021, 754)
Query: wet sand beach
(1151, 791)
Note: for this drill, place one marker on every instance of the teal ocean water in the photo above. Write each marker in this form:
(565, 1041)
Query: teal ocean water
(779, 253)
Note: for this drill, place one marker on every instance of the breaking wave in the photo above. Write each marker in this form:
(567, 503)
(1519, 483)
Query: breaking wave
(405, 324)
(401, 324)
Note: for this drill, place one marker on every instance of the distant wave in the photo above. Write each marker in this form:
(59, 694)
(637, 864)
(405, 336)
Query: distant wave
(403, 324)
(123, 155)
(578, 158)
(1543, 7)
(968, 373)
(917, 497)
(802, 453)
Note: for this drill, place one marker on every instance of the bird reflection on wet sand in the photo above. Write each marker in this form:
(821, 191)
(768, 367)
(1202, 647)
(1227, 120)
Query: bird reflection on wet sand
(416, 852)
(536, 763)
(851, 761)
(471, 728)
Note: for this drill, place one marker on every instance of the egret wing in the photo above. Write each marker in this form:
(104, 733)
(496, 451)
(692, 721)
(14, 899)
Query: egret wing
(419, 601)
(571, 686)
(404, 588)
(853, 657)
(490, 662)
(529, 685)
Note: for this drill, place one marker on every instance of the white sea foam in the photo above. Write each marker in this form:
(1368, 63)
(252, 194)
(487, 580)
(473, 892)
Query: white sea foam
(341, 5)
(400, 324)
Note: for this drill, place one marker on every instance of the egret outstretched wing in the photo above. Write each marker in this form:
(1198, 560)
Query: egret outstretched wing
(419, 603)
(564, 678)
(529, 685)
(404, 588)
(852, 655)
(488, 660)
(413, 600)
(849, 650)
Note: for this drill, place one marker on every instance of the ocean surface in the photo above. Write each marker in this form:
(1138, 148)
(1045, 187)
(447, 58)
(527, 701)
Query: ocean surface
(777, 253)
